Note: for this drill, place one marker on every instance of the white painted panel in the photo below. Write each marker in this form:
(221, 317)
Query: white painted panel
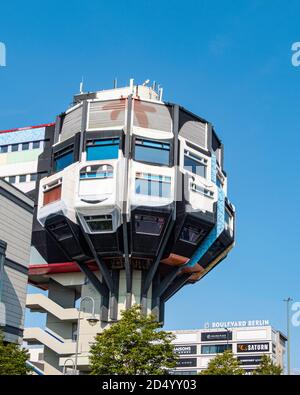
(96, 188)
(26, 186)
(14, 169)
(203, 362)
(185, 337)
(258, 334)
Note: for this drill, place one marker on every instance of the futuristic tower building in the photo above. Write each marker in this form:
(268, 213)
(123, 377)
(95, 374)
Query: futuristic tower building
(136, 198)
(137, 186)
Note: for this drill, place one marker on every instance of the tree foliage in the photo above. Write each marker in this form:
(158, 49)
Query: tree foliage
(224, 364)
(267, 367)
(12, 358)
(133, 345)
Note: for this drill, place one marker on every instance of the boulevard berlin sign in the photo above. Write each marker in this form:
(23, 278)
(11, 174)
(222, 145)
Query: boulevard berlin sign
(235, 324)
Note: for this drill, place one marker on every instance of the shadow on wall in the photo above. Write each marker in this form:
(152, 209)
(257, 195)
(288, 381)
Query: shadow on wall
(13, 294)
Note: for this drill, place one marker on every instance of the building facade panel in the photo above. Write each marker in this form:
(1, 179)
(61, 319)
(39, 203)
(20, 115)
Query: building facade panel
(16, 214)
(15, 229)
(193, 130)
(14, 286)
(71, 123)
(247, 344)
(106, 114)
(22, 155)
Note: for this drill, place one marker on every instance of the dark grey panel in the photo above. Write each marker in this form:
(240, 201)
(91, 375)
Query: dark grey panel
(12, 330)
(16, 266)
(187, 362)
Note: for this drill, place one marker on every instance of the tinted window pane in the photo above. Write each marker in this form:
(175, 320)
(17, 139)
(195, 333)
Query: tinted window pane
(192, 234)
(147, 224)
(103, 149)
(15, 147)
(12, 179)
(165, 189)
(194, 166)
(25, 146)
(4, 148)
(155, 188)
(100, 226)
(96, 175)
(22, 178)
(99, 223)
(62, 161)
(152, 152)
(102, 171)
(105, 142)
(36, 144)
(215, 348)
(141, 187)
(33, 177)
(152, 188)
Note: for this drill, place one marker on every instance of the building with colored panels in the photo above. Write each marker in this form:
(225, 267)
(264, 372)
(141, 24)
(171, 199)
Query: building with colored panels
(20, 150)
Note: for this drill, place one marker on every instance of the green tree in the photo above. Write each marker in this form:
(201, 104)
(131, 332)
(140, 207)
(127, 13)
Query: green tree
(133, 345)
(12, 358)
(267, 367)
(224, 364)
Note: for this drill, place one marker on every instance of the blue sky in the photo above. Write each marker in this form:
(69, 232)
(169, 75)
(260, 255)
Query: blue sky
(228, 61)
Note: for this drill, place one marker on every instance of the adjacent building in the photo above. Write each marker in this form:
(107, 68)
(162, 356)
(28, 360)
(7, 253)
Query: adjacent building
(16, 214)
(248, 341)
(23, 163)
(22, 159)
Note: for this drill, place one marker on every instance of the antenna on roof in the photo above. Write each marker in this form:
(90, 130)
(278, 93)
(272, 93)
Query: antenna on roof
(115, 83)
(131, 81)
(146, 82)
(160, 94)
(81, 86)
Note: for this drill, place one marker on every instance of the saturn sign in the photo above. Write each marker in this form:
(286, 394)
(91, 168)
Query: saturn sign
(252, 347)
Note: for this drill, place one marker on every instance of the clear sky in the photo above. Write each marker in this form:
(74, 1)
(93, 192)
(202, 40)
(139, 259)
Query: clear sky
(228, 61)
